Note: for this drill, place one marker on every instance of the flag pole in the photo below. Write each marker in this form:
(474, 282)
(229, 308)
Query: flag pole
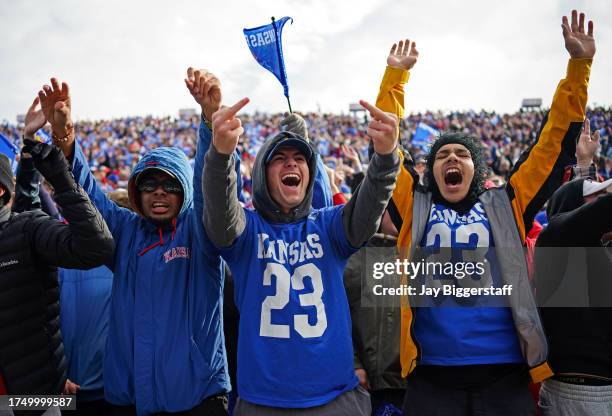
(280, 62)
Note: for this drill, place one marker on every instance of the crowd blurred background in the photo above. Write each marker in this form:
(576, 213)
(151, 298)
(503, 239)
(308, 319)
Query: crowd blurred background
(114, 146)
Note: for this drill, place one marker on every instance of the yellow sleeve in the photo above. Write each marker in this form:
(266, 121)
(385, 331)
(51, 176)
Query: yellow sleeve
(391, 99)
(539, 171)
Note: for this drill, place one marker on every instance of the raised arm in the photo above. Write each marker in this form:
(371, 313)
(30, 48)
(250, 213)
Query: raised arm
(84, 242)
(28, 179)
(223, 217)
(362, 214)
(205, 88)
(401, 59)
(56, 106)
(539, 171)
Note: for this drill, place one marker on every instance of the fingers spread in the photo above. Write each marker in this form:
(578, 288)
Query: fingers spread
(574, 21)
(65, 89)
(55, 85)
(587, 126)
(590, 33)
(406, 47)
(392, 51)
(413, 50)
(581, 23)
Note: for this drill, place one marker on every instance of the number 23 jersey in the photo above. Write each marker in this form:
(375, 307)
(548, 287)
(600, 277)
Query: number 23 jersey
(294, 343)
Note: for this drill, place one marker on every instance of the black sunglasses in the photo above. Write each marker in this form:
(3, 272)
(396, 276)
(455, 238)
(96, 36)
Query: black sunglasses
(169, 185)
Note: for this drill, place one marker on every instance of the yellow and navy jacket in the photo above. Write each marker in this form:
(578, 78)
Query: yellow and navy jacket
(535, 177)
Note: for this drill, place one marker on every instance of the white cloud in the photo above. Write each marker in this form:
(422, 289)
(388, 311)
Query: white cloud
(124, 58)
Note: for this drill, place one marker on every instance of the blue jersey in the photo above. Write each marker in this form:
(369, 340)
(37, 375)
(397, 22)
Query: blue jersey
(294, 344)
(464, 335)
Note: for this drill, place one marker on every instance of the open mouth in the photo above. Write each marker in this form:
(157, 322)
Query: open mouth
(291, 179)
(453, 177)
(159, 207)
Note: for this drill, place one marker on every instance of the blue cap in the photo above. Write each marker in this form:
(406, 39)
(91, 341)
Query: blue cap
(292, 140)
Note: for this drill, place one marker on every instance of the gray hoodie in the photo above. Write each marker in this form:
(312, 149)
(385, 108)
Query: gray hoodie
(224, 218)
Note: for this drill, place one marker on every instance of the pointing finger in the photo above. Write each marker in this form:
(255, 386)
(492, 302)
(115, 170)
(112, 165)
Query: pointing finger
(231, 111)
(374, 111)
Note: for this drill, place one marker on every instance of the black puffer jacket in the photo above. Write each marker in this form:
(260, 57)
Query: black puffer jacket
(32, 246)
(570, 250)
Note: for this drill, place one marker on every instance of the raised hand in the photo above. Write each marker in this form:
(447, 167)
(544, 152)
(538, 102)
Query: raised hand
(578, 43)
(34, 119)
(587, 145)
(56, 107)
(403, 55)
(351, 154)
(383, 129)
(205, 88)
(227, 128)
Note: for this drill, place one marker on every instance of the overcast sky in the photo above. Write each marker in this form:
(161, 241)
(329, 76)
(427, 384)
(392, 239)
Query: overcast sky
(127, 57)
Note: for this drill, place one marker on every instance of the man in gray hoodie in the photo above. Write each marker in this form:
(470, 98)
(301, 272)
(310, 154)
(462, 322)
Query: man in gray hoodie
(287, 259)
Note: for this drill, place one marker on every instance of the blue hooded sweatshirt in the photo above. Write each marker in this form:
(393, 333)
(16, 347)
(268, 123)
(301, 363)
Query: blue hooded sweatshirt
(85, 306)
(165, 349)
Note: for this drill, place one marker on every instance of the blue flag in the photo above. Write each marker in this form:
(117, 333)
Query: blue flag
(265, 43)
(424, 136)
(9, 149)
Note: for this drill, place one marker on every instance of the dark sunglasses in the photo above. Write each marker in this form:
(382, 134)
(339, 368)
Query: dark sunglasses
(169, 185)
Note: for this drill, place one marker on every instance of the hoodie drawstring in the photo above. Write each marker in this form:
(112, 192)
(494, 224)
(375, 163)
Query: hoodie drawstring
(159, 243)
(161, 238)
(173, 229)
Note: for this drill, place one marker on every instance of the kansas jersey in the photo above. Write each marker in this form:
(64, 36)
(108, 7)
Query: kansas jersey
(294, 344)
(471, 334)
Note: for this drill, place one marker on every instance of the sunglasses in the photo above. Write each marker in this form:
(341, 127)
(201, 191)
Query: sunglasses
(169, 185)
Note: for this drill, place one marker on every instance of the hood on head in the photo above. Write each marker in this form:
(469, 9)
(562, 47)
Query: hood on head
(170, 160)
(263, 202)
(480, 164)
(567, 198)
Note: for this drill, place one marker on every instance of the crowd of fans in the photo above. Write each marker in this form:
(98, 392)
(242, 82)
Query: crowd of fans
(113, 147)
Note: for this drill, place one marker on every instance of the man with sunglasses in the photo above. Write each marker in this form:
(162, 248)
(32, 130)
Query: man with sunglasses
(165, 351)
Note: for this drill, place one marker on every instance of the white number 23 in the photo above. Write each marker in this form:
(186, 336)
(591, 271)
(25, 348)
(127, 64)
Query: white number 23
(284, 283)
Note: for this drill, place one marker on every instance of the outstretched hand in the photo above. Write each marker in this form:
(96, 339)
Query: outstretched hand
(587, 145)
(56, 107)
(227, 128)
(403, 55)
(205, 88)
(383, 129)
(578, 43)
(34, 119)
